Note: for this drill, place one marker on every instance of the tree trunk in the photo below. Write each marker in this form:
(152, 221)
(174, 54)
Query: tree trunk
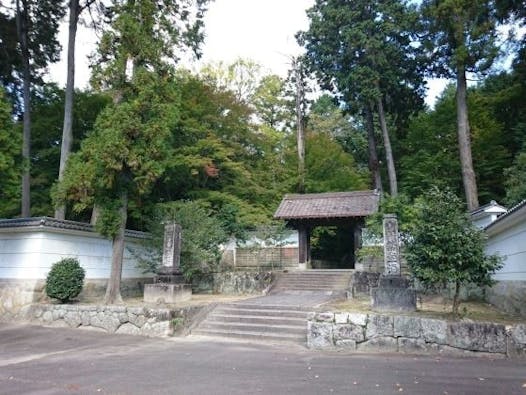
(67, 130)
(95, 213)
(113, 289)
(391, 171)
(456, 301)
(300, 129)
(373, 154)
(21, 23)
(464, 142)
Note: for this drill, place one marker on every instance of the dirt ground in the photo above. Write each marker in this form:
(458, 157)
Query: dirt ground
(433, 307)
(436, 307)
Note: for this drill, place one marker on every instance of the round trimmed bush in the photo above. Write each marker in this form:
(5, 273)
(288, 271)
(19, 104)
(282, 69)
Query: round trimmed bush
(65, 280)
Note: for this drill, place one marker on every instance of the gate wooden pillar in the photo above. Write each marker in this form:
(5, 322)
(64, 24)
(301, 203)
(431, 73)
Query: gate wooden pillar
(303, 246)
(356, 234)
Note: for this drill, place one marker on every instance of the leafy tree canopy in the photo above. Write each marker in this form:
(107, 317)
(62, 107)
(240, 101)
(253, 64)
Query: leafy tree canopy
(445, 247)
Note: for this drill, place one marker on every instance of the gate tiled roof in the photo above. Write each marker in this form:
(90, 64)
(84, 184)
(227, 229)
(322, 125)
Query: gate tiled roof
(328, 205)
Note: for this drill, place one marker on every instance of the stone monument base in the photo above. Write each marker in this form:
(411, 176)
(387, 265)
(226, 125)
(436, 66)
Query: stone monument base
(394, 293)
(167, 293)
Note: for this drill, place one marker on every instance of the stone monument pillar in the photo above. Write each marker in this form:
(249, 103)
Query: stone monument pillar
(170, 270)
(391, 246)
(169, 284)
(394, 292)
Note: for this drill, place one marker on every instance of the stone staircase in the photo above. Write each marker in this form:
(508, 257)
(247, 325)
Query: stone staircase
(330, 282)
(256, 322)
(280, 316)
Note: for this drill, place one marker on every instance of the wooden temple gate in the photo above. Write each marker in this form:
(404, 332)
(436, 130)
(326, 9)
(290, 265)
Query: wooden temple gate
(343, 209)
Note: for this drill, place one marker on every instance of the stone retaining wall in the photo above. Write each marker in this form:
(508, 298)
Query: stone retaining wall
(153, 322)
(237, 282)
(363, 332)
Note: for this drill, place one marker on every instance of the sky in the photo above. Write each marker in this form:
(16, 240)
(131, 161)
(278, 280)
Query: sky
(260, 30)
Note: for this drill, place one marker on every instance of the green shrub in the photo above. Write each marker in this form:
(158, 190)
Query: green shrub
(65, 280)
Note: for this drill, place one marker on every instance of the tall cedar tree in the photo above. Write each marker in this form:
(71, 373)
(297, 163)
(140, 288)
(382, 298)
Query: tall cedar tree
(362, 51)
(127, 151)
(37, 26)
(76, 7)
(461, 38)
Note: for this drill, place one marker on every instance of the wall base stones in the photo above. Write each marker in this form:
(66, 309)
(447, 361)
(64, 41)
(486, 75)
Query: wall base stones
(152, 322)
(509, 296)
(362, 282)
(17, 294)
(235, 282)
(411, 334)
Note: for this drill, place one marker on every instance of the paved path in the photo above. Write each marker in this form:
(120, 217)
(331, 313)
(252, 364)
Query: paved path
(37, 360)
(290, 298)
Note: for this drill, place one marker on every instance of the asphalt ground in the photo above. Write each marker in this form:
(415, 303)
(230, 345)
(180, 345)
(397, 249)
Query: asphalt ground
(38, 360)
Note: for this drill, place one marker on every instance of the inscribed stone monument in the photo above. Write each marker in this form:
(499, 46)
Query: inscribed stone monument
(394, 292)
(391, 246)
(169, 284)
(172, 249)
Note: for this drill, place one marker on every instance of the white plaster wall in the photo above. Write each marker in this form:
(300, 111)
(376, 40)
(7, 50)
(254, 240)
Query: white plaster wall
(511, 245)
(29, 254)
(482, 222)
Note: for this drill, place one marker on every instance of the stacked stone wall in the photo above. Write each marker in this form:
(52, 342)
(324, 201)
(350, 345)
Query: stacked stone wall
(259, 257)
(363, 332)
(234, 282)
(144, 321)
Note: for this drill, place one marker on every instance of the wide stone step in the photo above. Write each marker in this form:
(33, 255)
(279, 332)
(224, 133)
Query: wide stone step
(265, 306)
(255, 319)
(261, 313)
(310, 286)
(314, 279)
(253, 336)
(247, 327)
(314, 283)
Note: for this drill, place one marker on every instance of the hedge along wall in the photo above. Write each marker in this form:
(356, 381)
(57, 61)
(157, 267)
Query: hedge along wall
(29, 246)
(363, 332)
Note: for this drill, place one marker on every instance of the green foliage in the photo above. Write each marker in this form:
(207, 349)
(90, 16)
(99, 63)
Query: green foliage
(240, 78)
(329, 168)
(202, 233)
(516, 180)
(402, 206)
(272, 107)
(460, 34)
(362, 50)
(431, 149)
(39, 22)
(326, 117)
(128, 150)
(10, 146)
(446, 247)
(65, 280)
(47, 117)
